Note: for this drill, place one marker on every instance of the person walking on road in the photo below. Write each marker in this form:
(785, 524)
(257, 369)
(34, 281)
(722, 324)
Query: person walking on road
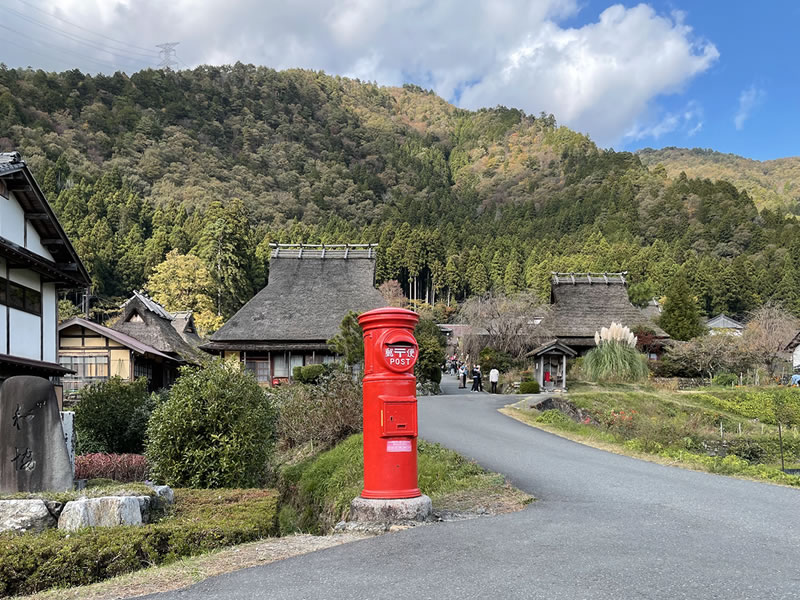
(494, 377)
(476, 374)
(462, 375)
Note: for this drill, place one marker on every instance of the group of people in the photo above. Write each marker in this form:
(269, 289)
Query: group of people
(460, 368)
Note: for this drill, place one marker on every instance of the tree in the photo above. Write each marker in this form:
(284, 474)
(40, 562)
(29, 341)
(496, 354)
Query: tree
(182, 282)
(349, 342)
(226, 248)
(392, 292)
(432, 344)
(512, 323)
(766, 335)
(680, 317)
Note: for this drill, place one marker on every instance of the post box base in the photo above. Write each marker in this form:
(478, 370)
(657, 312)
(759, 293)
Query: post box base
(390, 511)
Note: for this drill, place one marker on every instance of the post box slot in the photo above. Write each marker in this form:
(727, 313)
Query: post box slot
(400, 418)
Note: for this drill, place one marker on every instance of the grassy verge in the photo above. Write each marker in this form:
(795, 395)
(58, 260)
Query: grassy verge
(669, 428)
(317, 492)
(201, 520)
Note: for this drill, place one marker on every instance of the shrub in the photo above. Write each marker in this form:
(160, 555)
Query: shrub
(766, 404)
(119, 467)
(323, 414)
(725, 379)
(615, 362)
(203, 521)
(309, 373)
(529, 387)
(216, 429)
(112, 416)
(554, 417)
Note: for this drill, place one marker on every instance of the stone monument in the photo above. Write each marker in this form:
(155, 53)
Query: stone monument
(33, 455)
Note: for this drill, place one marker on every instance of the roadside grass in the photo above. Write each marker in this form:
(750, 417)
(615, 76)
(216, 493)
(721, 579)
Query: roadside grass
(675, 428)
(316, 493)
(201, 521)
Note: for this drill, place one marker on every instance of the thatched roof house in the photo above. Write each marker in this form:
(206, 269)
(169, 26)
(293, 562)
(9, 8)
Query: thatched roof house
(288, 323)
(147, 321)
(583, 303)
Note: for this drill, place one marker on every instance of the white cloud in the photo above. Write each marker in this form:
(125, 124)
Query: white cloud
(749, 100)
(601, 78)
(689, 121)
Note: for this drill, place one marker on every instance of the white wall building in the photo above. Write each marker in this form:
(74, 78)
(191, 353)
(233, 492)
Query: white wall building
(36, 260)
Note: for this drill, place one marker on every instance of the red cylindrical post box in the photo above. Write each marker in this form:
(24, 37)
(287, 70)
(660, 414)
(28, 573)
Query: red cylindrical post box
(390, 404)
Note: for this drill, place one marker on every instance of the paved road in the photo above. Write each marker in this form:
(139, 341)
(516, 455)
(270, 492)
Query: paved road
(605, 527)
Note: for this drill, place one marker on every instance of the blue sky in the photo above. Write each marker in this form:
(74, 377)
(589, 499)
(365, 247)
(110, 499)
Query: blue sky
(708, 74)
(759, 49)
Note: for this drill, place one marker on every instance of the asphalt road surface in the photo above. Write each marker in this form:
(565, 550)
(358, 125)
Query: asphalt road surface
(604, 527)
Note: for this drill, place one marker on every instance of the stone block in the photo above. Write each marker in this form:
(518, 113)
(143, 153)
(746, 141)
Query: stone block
(25, 515)
(33, 454)
(109, 511)
(164, 493)
(391, 511)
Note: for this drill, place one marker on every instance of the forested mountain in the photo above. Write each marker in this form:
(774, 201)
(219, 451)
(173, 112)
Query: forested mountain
(773, 184)
(219, 161)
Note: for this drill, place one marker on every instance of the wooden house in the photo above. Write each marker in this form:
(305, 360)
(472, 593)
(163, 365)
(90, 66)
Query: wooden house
(36, 261)
(94, 353)
(289, 322)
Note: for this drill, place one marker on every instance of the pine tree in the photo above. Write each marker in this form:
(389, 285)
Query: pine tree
(513, 279)
(681, 318)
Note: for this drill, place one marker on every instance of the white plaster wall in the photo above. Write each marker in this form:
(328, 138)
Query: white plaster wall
(796, 358)
(12, 220)
(24, 277)
(34, 242)
(50, 316)
(26, 335)
(3, 335)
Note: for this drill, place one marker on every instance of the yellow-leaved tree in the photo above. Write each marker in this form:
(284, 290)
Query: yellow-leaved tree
(182, 282)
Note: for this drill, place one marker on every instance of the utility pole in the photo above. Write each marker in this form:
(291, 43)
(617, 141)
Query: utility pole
(167, 55)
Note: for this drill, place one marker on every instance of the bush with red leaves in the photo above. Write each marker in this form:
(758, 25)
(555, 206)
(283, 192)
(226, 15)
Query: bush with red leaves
(126, 468)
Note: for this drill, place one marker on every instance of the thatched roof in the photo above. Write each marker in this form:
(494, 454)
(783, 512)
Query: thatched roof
(147, 321)
(583, 303)
(305, 301)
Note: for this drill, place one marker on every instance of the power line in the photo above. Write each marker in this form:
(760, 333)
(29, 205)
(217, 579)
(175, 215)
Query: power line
(28, 4)
(75, 38)
(168, 56)
(62, 49)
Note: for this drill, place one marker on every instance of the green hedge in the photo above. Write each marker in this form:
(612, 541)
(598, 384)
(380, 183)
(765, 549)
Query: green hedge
(203, 520)
(529, 387)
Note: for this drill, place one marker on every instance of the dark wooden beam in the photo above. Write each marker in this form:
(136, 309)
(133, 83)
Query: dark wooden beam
(36, 216)
(52, 241)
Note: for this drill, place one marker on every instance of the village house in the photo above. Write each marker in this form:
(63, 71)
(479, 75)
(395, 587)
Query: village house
(289, 322)
(793, 348)
(146, 340)
(723, 324)
(581, 305)
(36, 261)
(95, 353)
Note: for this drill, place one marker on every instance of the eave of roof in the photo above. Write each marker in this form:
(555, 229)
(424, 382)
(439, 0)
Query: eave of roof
(41, 366)
(119, 337)
(21, 182)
